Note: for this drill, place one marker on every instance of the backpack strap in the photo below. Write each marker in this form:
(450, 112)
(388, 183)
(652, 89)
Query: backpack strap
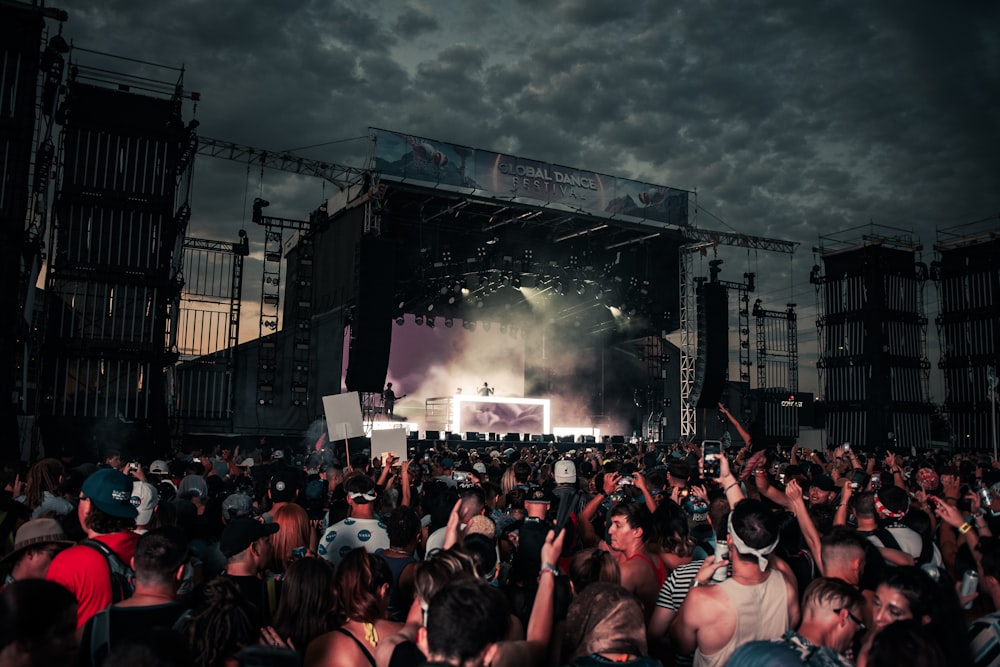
(100, 636)
(100, 546)
(887, 539)
(181, 623)
(115, 565)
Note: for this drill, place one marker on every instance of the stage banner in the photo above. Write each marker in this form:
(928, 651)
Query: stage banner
(438, 164)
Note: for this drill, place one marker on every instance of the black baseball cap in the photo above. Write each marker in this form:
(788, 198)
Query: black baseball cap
(241, 532)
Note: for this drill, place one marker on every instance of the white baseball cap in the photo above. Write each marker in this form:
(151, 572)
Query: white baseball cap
(564, 472)
(144, 498)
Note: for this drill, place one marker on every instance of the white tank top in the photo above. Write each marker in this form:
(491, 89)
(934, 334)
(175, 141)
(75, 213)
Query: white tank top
(761, 613)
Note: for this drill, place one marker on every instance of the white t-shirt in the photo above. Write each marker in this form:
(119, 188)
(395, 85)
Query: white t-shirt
(342, 537)
(910, 542)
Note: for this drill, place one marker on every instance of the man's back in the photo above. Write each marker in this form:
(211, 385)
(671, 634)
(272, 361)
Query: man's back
(122, 624)
(730, 614)
(351, 533)
(85, 571)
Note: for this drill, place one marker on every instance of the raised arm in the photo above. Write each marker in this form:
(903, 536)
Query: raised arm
(736, 423)
(812, 537)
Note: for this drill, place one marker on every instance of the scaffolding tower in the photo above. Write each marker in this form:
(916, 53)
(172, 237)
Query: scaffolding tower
(872, 362)
(777, 370)
(967, 276)
(112, 283)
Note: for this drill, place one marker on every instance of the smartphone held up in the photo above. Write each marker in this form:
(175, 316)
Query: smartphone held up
(711, 455)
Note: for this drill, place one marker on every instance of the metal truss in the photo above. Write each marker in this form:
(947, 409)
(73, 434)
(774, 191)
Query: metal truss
(340, 175)
(700, 240)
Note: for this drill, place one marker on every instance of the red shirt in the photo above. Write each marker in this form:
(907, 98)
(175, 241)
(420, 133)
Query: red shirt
(84, 571)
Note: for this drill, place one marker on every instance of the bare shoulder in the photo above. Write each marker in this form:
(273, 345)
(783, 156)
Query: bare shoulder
(706, 602)
(332, 649)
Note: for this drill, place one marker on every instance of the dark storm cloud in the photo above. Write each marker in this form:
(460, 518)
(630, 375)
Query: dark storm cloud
(414, 21)
(791, 119)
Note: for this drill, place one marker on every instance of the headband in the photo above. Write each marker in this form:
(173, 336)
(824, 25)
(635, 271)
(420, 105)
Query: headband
(743, 548)
(885, 511)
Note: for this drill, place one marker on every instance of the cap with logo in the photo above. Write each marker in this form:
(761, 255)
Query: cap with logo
(564, 472)
(110, 491)
(283, 485)
(144, 499)
(537, 494)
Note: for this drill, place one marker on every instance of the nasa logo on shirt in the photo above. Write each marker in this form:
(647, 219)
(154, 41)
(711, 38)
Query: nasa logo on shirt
(348, 522)
(364, 535)
(331, 535)
(344, 550)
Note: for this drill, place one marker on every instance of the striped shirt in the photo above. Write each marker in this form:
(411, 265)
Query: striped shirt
(672, 595)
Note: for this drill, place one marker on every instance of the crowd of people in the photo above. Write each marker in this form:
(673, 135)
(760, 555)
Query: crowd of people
(638, 554)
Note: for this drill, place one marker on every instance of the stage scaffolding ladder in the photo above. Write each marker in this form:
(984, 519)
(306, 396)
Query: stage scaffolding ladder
(270, 303)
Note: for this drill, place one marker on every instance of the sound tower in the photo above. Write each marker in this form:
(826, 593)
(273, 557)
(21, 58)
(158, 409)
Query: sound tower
(712, 363)
(371, 329)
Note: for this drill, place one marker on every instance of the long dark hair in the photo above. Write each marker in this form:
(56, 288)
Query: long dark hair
(307, 607)
(223, 626)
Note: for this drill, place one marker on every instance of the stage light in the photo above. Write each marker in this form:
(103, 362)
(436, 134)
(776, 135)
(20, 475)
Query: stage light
(430, 322)
(399, 320)
(448, 322)
(418, 320)
(503, 328)
(486, 326)
(430, 307)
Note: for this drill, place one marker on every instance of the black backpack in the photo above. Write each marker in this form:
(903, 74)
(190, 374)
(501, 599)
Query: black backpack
(122, 576)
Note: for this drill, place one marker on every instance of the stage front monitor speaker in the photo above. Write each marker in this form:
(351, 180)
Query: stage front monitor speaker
(432, 435)
(472, 436)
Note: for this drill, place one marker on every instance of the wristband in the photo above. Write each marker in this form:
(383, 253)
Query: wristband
(726, 490)
(965, 527)
(548, 568)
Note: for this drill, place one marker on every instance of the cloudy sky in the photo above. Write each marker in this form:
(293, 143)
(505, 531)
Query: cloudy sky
(790, 119)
